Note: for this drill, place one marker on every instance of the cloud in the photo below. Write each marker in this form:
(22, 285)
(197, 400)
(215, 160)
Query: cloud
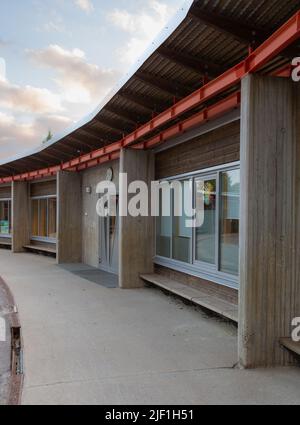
(16, 136)
(142, 27)
(2, 69)
(3, 43)
(85, 5)
(28, 98)
(54, 25)
(79, 80)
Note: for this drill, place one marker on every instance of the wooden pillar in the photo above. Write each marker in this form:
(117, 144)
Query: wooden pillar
(69, 217)
(20, 216)
(270, 219)
(136, 247)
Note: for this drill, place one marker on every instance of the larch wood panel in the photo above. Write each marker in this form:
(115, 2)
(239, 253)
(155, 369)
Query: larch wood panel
(69, 223)
(218, 147)
(136, 247)
(43, 188)
(269, 240)
(5, 192)
(20, 216)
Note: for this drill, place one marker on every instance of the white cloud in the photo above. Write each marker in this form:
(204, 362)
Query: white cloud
(85, 5)
(16, 136)
(2, 69)
(28, 98)
(142, 26)
(54, 26)
(55, 23)
(79, 80)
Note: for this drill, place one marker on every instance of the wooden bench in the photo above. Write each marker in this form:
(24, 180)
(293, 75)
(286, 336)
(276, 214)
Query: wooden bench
(199, 297)
(5, 243)
(41, 249)
(291, 345)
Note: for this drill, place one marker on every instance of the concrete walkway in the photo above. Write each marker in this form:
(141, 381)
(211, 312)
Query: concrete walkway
(87, 344)
(5, 345)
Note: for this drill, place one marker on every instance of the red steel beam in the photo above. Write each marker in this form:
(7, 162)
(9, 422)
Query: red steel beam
(231, 102)
(285, 71)
(275, 44)
(278, 41)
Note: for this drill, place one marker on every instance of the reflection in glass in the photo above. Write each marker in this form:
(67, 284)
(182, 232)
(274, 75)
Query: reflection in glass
(206, 197)
(35, 217)
(52, 218)
(5, 207)
(43, 218)
(164, 227)
(182, 234)
(230, 219)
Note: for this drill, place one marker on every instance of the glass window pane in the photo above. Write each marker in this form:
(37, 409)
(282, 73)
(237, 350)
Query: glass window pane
(4, 217)
(9, 216)
(163, 226)
(206, 197)
(182, 233)
(43, 218)
(230, 219)
(34, 217)
(52, 217)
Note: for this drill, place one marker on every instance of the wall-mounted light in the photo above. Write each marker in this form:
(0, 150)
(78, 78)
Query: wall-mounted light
(88, 189)
(109, 175)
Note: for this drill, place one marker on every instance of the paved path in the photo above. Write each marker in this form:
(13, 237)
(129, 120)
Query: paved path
(87, 344)
(4, 347)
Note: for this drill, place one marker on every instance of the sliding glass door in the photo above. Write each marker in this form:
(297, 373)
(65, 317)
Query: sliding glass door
(206, 230)
(229, 222)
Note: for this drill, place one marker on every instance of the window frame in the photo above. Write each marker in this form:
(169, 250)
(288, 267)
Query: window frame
(8, 235)
(42, 238)
(199, 268)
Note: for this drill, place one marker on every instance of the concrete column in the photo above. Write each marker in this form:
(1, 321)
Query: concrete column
(69, 217)
(270, 219)
(136, 247)
(20, 216)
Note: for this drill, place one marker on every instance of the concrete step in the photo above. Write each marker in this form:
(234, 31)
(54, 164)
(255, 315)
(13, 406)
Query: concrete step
(291, 345)
(202, 298)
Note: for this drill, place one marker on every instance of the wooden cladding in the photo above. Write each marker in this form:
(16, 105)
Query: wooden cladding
(5, 192)
(218, 147)
(270, 219)
(45, 188)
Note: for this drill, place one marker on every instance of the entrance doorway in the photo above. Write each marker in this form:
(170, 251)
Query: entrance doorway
(109, 242)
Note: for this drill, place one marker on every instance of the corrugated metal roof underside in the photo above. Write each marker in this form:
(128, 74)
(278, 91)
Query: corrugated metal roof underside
(212, 38)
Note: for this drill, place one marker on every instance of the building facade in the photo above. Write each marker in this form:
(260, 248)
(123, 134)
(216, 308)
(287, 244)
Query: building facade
(233, 143)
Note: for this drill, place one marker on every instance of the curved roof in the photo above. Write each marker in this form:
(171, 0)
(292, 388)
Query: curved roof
(204, 39)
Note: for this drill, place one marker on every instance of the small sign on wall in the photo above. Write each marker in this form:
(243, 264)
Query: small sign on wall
(2, 330)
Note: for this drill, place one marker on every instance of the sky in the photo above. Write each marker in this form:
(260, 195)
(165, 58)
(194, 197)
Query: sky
(59, 58)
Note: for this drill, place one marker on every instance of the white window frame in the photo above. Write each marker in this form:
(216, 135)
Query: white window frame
(42, 238)
(195, 267)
